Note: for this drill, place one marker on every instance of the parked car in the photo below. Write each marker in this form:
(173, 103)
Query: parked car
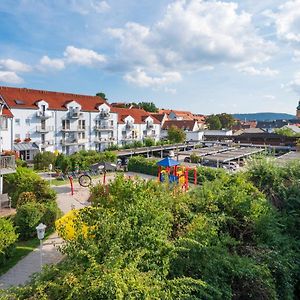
(232, 166)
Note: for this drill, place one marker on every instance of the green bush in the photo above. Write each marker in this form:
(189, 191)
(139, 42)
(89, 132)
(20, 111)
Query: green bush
(28, 216)
(195, 158)
(21, 163)
(8, 237)
(26, 197)
(42, 160)
(51, 213)
(143, 165)
(148, 142)
(26, 180)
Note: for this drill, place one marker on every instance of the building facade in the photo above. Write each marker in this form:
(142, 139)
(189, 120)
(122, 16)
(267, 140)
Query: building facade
(51, 121)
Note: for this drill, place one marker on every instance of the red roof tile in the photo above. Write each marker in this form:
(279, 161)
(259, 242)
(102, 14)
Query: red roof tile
(139, 115)
(7, 113)
(183, 124)
(56, 100)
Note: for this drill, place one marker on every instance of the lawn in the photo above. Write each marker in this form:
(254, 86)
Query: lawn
(22, 249)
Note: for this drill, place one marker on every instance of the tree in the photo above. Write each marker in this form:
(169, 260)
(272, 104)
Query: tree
(285, 131)
(213, 122)
(101, 95)
(226, 120)
(176, 135)
(148, 106)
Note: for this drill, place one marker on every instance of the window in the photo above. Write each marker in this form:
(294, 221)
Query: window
(18, 122)
(27, 154)
(17, 136)
(27, 121)
(66, 124)
(81, 124)
(111, 123)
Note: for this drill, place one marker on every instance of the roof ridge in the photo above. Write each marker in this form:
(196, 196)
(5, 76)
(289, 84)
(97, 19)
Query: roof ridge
(46, 91)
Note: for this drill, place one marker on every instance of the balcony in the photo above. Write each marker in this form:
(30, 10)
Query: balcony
(129, 126)
(7, 164)
(104, 115)
(43, 114)
(74, 114)
(103, 128)
(45, 144)
(150, 126)
(73, 129)
(44, 129)
(129, 138)
(102, 140)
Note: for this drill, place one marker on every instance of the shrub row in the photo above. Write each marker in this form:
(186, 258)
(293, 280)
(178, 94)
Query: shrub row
(143, 165)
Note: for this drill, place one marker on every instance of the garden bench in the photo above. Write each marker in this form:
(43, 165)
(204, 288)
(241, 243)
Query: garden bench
(5, 201)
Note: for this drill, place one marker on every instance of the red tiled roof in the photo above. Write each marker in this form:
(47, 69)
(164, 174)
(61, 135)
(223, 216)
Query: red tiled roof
(139, 115)
(183, 124)
(7, 113)
(55, 100)
(158, 116)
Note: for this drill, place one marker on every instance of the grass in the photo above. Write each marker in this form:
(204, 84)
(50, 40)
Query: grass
(23, 248)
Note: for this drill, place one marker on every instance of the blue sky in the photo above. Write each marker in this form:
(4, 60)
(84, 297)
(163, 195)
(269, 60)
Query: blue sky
(204, 56)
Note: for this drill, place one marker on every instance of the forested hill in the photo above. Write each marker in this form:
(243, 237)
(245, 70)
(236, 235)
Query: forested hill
(265, 116)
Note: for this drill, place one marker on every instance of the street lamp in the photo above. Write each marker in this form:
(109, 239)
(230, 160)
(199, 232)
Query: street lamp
(40, 229)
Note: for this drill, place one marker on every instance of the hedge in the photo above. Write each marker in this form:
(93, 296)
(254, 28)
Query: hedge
(143, 165)
(8, 237)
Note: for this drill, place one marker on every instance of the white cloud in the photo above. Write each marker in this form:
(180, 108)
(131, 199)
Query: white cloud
(296, 56)
(287, 20)
(258, 71)
(295, 83)
(100, 6)
(14, 65)
(48, 63)
(269, 97)
(85, 7)
(141, 78)
(83, 56)
(191, 35)
(10, 77)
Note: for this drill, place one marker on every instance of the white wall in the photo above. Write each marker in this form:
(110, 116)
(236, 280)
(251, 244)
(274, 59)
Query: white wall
(194, 135)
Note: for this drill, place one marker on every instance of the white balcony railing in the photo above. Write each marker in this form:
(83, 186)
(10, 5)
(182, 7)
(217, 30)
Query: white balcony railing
(7, 164)
(44, 128)
(43, 114)
(103, 127)
(104, 115)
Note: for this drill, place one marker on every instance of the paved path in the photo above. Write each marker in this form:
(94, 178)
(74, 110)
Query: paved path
(30, 264)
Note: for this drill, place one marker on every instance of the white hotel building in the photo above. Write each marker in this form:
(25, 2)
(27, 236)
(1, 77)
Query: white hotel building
(35, 120)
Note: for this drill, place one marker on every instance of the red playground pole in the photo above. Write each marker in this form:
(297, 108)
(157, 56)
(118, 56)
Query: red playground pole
(72, 186)
(159, 172)
(195, 176)
(186, 180)
(104, 178)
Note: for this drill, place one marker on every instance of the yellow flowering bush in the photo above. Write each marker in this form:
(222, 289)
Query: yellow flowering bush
(69, 227)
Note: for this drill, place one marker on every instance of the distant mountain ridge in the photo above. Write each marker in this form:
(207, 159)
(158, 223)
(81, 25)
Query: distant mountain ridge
(265, 116)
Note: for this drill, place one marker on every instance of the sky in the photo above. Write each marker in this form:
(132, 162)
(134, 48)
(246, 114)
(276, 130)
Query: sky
(200, 55)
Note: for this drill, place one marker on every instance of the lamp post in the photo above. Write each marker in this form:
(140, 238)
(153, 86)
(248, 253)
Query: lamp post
(40, 230)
